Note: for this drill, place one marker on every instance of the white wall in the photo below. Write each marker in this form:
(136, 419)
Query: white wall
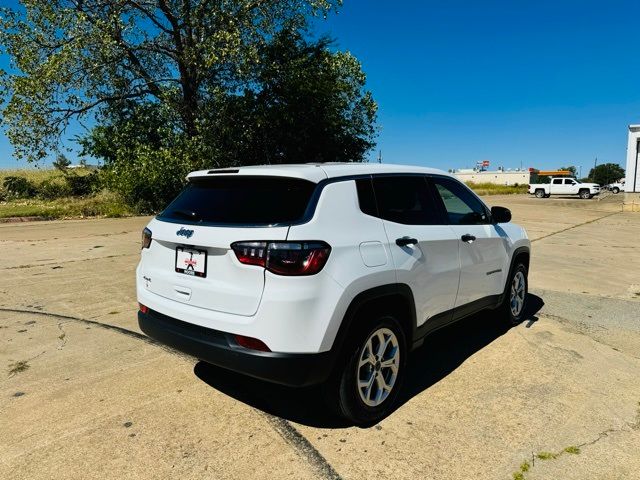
(497, 177)
(633, 160)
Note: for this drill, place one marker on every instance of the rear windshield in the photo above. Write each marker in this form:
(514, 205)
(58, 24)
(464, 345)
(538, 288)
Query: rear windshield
(242, 200)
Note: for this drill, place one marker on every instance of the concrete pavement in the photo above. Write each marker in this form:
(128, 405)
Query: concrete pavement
(84, 395)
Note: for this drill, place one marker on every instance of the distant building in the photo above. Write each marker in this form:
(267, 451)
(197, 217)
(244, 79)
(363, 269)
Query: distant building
(632, 179)
(632, 185)
(499, 177)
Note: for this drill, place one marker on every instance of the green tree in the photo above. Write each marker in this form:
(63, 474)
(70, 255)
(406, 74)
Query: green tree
(61, 162)
(177, 85)
(606, 173)
(306, 103)
(78, 58)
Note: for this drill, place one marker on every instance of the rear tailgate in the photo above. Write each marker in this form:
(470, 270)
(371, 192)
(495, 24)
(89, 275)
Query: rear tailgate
(190, 259)
(228, 286)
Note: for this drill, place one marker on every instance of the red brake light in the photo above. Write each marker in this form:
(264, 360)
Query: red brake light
(251, 343)
(251, 253)
(284, 258)
(143, 308)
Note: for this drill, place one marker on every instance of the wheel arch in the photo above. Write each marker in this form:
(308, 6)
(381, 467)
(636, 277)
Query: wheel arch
(391, 298)
(520, 254)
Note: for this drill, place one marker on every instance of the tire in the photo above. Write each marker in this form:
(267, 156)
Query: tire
(517, 288)
(540, 193)
(348, 397)
(584, 194)
(615, 190)
(547, 195)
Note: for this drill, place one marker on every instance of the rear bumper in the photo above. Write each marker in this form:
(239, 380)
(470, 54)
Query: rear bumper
(219, 348)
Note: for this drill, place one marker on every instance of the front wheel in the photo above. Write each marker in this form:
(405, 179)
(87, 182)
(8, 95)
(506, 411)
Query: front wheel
(585, 194)
(366, 386)
(515, 295)
(615, 190)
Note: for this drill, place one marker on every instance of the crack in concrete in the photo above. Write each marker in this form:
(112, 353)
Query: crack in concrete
(34, 265)
(575, 450)
(303, 447)
(574, 226)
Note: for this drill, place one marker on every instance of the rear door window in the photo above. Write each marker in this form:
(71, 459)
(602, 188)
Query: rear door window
(241, 201)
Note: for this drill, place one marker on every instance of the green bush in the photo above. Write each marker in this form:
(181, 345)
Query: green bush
(152, 181)
(51, 189)
(19, 187)
(82, 185)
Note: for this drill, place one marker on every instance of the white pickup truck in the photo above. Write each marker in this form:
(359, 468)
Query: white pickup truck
(564, 186)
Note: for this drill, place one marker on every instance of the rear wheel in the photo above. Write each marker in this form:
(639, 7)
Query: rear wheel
(539, 193)
(366, 385)
(585, 194)
(515, 295)
(615, 190)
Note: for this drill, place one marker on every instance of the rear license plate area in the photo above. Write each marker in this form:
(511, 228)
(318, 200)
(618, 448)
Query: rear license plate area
(191, 261)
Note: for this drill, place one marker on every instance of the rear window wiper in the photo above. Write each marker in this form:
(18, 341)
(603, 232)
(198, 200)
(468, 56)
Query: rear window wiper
(190, 214)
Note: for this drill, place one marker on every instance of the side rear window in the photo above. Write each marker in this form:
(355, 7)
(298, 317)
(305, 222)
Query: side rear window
(241, 200)
(366, 198)
(405, 199)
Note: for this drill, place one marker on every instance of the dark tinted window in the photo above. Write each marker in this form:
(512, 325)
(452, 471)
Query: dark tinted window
(557, 181)
(462, 206)
(241, 200)
(405, 200)
(366, 198)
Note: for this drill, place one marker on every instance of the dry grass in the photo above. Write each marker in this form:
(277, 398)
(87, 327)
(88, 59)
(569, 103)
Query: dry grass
(493, 189)
(104, 204)
(39, 175)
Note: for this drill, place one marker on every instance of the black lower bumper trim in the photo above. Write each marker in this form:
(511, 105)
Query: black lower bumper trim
(218, 348)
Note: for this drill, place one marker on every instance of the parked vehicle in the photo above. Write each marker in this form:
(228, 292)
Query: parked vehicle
(616, 187)
(325, 274)
(564, 186)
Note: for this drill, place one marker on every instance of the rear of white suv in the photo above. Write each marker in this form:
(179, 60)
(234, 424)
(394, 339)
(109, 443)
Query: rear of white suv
(324, 274)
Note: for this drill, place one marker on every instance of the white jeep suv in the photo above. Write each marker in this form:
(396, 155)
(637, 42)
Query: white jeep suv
(325, 273)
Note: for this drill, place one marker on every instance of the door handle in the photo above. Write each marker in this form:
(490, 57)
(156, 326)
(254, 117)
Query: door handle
(467, 238)
(404, 241)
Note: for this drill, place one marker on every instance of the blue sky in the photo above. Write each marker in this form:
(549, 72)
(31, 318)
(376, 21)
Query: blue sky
(519, 83)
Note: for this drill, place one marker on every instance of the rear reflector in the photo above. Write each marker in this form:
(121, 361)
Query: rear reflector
(143, 308)
(284, 258)
(251, 343)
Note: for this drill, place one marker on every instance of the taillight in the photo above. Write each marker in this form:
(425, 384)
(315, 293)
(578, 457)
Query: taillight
(251, 253)
(146, 238)
(143, 308)
(284, 258)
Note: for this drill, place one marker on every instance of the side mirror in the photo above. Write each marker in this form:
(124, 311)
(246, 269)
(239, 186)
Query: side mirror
(500, 214)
